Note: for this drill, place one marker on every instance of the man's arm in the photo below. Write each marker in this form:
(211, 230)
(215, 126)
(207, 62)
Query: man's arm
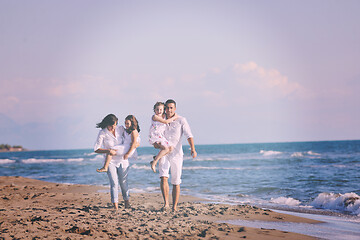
(192, 146)
(187, 132)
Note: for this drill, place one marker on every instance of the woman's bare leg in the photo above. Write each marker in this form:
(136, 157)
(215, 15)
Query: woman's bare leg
(116, 206)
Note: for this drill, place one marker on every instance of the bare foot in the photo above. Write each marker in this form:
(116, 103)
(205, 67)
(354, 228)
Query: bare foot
(100, 170)
(116, 206)
(153, 165)
(127, 204)
(165, 208)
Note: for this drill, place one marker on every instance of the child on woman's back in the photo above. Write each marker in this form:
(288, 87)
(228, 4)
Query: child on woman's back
(156, 133)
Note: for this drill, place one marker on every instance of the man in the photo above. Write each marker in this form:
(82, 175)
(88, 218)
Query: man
(174, 160)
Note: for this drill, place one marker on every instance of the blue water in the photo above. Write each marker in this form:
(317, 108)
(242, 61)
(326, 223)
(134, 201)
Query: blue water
(309, 176)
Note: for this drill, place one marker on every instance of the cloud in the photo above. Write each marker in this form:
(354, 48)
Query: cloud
(62, 112)
(250, 74)
(63, 90)
(240, 83)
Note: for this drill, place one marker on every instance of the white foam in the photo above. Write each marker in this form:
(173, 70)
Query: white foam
(6, 161)
(145, 190)
(211, 168)
(98, 157)
(34, 160)
(285, 201)
(90, 154)
(297, 154)
(269, 153)
(341, 166)
(304, 154)
(348, 202)
(75, 160)
(213, 158)
(145, 157)
(145, 167)
(313, 153)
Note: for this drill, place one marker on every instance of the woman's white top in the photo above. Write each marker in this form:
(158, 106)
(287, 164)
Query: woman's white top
(107, 140)
(121, 142)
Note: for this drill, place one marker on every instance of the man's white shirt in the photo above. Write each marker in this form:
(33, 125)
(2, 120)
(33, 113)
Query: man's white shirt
(173, 134)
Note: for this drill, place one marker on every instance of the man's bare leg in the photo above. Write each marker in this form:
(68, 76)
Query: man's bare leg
(175, 196)
(164, 185)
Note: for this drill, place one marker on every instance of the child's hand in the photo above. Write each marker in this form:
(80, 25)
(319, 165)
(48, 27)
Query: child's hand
(126, 156)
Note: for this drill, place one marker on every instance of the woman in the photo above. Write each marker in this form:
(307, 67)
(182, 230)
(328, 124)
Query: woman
(110, 136)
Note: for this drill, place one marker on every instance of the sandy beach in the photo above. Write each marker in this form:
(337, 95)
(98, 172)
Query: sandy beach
(33, 209)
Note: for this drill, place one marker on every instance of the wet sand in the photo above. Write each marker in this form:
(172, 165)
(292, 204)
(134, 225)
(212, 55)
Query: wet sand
(33, 209)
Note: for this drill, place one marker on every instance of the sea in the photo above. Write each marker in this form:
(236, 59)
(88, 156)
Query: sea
(315, 178)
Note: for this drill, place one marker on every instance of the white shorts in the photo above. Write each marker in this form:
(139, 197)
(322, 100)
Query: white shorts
(174, 164)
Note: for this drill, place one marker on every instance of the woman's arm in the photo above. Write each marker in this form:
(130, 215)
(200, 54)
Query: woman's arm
(134, 143)
(99, 144)
(107, 151)
(166, 121)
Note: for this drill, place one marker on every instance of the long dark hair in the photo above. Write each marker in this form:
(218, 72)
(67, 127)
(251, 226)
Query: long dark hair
(109, 120)
(134, 124)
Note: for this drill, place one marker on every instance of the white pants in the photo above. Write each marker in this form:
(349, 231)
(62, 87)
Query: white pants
(118, 175)
(174, 164)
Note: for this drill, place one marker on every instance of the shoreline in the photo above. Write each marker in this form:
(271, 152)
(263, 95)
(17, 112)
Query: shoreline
(34, 208)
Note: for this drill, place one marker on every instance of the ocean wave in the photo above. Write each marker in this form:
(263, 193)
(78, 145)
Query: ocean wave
(98, 157)
(347, 202)
(145, 190)
(313, 153)
(269, 153)
(145, 157)
(147, 167)
(35, 160)
(285, 201)
(213, 158)
(297, 154)
(304, 154)
(212, 168)
(354, 166)
(144, 167)
(75, 159)
(6, 161)
(90, 154)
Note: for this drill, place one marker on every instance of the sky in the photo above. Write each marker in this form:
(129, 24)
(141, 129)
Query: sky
(240, 71)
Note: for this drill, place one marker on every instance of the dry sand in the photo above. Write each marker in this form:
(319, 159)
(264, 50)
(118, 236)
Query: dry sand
(33, 209)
